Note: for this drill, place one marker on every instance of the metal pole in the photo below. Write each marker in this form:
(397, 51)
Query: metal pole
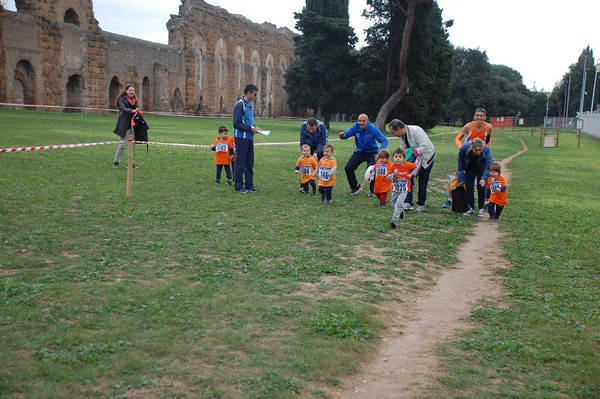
(594, 89)
(583, 85)
(568, 97)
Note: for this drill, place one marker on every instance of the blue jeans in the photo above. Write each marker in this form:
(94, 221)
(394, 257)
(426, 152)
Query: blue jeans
(473, 177)
(355, 160)
(227, 172)
(244, 164)
(423, 182)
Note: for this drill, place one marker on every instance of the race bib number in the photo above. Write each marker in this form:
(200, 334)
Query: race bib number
(495, 187)
(381, 170)
(222, 147)
(324, 174)
(305, 170)
(401, 185)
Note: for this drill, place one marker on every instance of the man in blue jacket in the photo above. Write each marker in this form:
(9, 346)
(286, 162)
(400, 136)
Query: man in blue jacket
(314, 133)
(244, 130)
(366, 136)
(474, 159)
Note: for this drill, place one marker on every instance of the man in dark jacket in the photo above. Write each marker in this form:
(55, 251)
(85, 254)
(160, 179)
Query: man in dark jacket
(314, 133)
(474, 159)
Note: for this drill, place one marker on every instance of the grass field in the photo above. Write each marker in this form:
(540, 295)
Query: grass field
(188, 289)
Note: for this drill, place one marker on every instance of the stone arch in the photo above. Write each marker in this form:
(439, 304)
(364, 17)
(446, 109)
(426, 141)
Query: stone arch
(75, 92)
(199, 49)
(114, 90)
(71, 17)
(255, 65)
(177, 104)
(283, 66)
(239, 67)
(25, 83)
(220, 63)
(268, 95)
(146, 94)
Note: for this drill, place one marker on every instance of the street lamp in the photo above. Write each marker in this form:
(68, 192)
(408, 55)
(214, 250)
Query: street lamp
(568, 99)
(594, 89)
(583, 85)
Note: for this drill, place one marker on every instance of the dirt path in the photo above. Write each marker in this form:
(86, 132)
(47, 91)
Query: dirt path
(407, 363)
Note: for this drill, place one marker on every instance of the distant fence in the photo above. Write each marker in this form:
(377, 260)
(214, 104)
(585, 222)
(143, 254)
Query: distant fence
(591, 123)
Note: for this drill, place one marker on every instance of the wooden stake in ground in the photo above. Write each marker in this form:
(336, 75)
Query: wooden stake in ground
(129, 163)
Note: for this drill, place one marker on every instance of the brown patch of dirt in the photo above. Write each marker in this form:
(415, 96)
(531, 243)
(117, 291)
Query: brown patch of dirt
(406, 363)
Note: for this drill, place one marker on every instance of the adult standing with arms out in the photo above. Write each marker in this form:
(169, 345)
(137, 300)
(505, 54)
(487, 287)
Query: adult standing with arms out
(243, 131)
(414, 136)
(314, 133)
(366, 136)
(474, 159)
(479, 128)
(128, 106)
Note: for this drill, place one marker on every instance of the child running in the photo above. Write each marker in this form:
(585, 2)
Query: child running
(326, 169)
(306, 166)
(496, 185)
(400, 174)
(224, 153)
(381, 184)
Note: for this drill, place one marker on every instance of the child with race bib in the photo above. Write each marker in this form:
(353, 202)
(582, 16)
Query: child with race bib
(306, 166)
(400, 173)
(326, 170)
(381, 184)
(496, 186)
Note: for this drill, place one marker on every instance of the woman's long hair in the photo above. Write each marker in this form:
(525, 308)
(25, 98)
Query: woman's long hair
(123, 94)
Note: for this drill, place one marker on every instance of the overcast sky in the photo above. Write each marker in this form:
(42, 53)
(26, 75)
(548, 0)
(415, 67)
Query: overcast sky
(538, 38)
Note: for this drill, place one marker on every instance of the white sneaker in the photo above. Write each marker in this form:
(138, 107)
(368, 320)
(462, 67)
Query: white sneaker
(469, 212)
(420, 208)
(481, 213)
(408, 207)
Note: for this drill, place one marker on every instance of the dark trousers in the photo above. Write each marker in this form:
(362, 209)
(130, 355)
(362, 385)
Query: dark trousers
(227, 172)
(244, 164)
(354, 162)
(494, 210)
(473, 177)
(423, 180)
(326, 192)
(305, 186)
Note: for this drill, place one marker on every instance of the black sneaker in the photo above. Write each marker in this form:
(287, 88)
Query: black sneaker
(115, 165)
(393, 225)
(356, 190)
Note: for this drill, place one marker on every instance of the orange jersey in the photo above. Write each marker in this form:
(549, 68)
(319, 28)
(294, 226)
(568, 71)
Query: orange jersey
(222, 148)
(400, 182)
(326, 172)
(497, 196)
(473, 133)
(477, 134)
(306, 166)
(381, 183)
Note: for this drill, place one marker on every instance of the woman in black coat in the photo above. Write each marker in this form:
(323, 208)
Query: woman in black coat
(128, 106)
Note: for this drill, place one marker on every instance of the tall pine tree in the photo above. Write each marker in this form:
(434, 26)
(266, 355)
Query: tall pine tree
(321, 77)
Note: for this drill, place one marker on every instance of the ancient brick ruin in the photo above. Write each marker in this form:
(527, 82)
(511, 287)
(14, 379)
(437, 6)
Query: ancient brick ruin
(53, 52)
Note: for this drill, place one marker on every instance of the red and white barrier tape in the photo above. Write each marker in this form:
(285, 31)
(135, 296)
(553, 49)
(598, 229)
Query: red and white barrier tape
(60, 146)
(54, 147)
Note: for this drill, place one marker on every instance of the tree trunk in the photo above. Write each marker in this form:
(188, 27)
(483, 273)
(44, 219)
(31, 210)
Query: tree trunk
(399, 94)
